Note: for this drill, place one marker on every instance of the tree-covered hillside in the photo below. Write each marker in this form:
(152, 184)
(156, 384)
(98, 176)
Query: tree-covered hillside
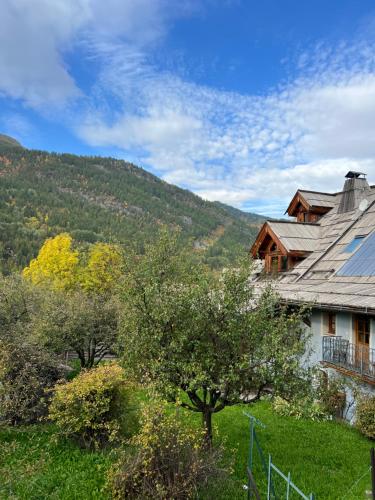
(104, 199)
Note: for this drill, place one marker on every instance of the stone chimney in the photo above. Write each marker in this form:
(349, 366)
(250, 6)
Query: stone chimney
(355, 189)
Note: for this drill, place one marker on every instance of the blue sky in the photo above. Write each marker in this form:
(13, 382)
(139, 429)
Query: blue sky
(239, 101)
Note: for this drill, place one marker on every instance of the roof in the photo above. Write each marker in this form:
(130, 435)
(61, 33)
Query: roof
(311, 200)
(315, 199)
(296, 236)
(331, 277)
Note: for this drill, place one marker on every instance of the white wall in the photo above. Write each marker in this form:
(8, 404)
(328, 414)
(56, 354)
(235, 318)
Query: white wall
(344, 329)
(319, 328)
(316, 337)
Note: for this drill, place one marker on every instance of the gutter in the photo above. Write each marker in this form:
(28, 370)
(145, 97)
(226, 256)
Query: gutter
(331, 307)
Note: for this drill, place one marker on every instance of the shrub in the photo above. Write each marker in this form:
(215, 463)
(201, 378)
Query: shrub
(91, 408)
(365, 416)
(331, 394)
(300, 408)
(169, 459)
(26, 371)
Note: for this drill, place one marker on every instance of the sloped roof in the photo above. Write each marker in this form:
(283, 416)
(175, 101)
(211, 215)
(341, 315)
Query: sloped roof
(315, 199)
(296, 236)
(315, 279)
(312, 200)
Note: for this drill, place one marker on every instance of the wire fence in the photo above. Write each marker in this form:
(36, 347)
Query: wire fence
(278, 485)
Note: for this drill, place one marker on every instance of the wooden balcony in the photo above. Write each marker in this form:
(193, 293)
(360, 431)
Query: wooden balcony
(350, 359)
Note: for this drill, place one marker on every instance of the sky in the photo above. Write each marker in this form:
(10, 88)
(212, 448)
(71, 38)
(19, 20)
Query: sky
(240, 101)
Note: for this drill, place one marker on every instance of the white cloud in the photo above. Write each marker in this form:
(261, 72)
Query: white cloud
(36, 35)
(241, 149)
(32, 37)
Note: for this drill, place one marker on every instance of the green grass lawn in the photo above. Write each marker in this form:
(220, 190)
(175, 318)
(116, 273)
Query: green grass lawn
(35, 466)
(325, 458)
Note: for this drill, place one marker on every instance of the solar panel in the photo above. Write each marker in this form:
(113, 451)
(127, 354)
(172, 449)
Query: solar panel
(362, 262)
(353, 244)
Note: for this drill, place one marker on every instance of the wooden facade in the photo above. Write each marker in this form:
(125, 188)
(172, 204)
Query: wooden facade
(283, 244)
(301, 208)
(277, 258)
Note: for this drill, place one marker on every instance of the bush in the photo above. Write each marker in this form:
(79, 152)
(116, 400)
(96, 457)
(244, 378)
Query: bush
(91, 408)
(365, 416)
(331, 395)
(300, 408)
(169, 459)
(26, 372)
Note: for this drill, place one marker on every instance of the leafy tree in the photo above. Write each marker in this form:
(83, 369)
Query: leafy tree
(103, 269)
(19, 303)
(79, 310)
(56, 264)
(207, 337)
(59, 267)
(86, 324)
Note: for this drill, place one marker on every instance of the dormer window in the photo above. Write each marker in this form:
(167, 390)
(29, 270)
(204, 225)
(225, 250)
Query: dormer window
(354, 244)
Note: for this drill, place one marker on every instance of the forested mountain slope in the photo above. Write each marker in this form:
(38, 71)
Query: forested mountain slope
(104, 199)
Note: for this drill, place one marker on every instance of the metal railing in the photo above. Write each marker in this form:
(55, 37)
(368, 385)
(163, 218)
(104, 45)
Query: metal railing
(290, 487)
(352, 357)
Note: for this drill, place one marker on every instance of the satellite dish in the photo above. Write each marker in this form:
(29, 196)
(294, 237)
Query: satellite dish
(363, 205)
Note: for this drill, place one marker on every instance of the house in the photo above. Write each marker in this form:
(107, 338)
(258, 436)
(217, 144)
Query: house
(326, 258)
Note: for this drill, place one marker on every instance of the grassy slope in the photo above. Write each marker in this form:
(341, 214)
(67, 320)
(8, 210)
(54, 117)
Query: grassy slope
(325, 458)
(34, 466)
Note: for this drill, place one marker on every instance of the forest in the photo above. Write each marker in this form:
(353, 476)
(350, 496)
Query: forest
(99, 199)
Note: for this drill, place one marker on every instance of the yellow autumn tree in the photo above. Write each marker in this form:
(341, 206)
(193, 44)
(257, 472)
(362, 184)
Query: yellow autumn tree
(56, 265)
(103, 269)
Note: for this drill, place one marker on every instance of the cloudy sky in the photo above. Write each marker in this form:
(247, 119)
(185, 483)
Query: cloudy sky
(239, 101)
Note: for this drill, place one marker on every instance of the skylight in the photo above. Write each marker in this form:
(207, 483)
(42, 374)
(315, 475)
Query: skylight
(362, 262)
(353, 245)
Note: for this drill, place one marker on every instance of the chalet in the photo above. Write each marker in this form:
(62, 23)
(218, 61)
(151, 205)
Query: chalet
(326, 257)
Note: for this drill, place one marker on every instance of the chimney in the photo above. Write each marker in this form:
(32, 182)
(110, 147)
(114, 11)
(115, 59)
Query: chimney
(355, 188)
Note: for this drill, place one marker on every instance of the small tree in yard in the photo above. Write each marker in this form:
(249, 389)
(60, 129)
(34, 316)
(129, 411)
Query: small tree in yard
(205, 340)
(86, 324)
(79, 309)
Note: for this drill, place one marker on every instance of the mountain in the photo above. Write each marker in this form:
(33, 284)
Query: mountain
(9, 142)
(105, 199)
(239, 214)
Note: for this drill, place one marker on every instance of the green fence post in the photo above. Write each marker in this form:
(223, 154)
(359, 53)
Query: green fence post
(288, 487)
(269, 478)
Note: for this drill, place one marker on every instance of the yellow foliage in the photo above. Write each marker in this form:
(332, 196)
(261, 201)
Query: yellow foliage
(170, 459)
(92, 406)
(60, 267)
(103, 269)
(55, 265)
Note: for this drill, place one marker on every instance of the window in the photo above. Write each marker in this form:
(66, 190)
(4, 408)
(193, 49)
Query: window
(331, 323)
(353, 245)
(284, 263)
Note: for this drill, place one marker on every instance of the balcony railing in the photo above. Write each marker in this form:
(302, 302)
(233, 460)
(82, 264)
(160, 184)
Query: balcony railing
(357, 359)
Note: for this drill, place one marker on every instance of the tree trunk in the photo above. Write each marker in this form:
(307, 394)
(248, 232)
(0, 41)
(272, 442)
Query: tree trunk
(207, 423)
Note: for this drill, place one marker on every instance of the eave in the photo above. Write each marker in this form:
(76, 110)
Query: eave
(297, 198)
(266, 231)
(370, 311)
